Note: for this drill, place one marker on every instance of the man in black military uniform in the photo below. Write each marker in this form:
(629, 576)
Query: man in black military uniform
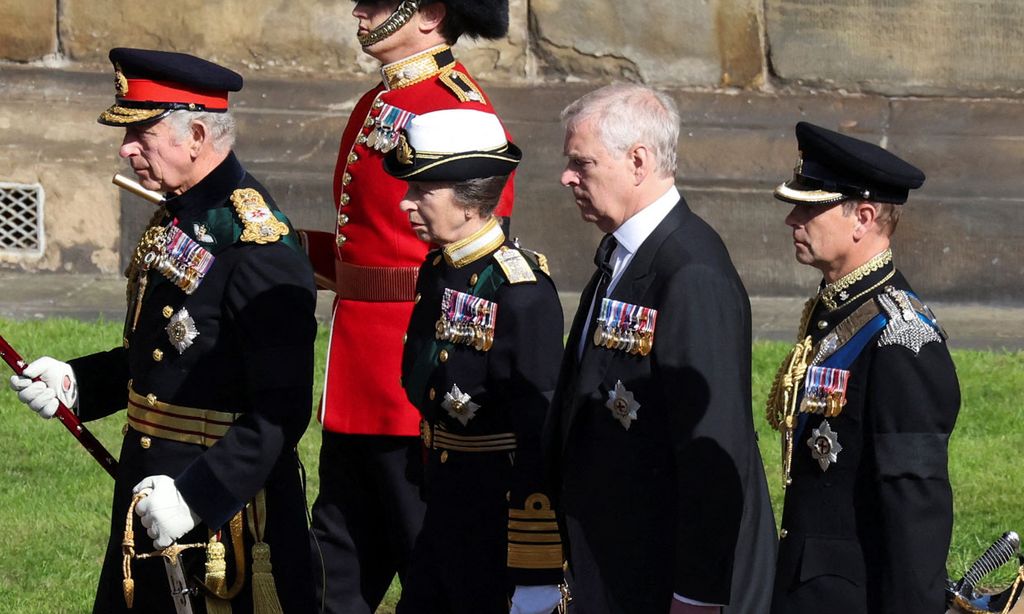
(215, 368)
(480, 362)
(865, 401)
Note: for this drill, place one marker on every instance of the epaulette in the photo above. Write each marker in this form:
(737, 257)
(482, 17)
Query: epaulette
(460, 85)
(906, 326)
(514, 264)
(260, 224)
(537, 259)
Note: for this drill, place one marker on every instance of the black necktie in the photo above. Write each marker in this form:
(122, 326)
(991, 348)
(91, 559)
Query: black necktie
(603, 260)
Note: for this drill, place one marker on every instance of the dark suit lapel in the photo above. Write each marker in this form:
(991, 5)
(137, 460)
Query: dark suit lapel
(590, 370)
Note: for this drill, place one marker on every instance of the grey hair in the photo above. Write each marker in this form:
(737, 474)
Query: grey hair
(887, 215)
(626, 114)
(480, 194)
(220, 126)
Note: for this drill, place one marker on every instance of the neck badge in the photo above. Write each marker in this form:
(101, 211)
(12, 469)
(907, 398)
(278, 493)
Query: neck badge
(622, 405)
(466, 319)
(459, 405)
(385, 135)
(621, 326)
(824, 445)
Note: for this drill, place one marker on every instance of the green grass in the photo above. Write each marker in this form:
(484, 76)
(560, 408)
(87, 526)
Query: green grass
(55, 500)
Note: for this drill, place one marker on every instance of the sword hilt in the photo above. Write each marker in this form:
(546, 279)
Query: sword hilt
(997, 555)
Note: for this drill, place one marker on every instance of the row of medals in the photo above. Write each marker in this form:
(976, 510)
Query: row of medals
(830, 406)
(633, 342)
(382, 139)
(478, 337)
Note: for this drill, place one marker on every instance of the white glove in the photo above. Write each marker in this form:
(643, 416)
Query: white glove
(57, 382)
(164, 512)
(535, 599)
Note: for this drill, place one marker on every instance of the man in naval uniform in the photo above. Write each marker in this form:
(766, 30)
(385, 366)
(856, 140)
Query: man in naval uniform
(865, 401)
(215, 367)
(650, 440)
(368, 511)
(480, 363)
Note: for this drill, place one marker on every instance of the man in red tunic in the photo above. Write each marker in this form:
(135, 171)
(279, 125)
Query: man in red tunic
(368, 512)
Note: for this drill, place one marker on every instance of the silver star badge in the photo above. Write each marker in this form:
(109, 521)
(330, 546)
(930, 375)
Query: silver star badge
(622, 404)
(181, 330)
(459, 405)
(824, 445)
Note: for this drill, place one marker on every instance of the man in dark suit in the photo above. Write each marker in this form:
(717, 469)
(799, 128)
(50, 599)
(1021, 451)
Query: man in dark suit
(866, 400)
(650, 443)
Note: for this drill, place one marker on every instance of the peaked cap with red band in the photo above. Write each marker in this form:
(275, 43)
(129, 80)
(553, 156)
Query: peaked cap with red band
(150, 84)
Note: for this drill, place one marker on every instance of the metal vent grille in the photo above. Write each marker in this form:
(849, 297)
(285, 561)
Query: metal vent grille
(21, 219)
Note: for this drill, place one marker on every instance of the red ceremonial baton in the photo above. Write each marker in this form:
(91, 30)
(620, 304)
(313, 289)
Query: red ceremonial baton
(65, 415)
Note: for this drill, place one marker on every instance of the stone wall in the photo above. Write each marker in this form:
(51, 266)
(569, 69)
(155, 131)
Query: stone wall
(937, 81)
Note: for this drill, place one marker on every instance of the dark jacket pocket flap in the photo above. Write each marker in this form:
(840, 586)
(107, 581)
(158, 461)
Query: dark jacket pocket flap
(828, 556)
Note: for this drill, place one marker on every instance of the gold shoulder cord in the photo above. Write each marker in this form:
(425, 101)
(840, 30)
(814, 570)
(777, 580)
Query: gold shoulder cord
(152, 239)
(781, 406)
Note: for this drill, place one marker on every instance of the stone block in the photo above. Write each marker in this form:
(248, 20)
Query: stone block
(314, 38)
(899, 46)
(29, 30)
(51, 137)
(658, 42)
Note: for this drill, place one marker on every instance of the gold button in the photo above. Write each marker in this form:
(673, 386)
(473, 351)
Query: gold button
(405, 338)
(342, 219)
(168, 311)
(353, 158)
(145, 442)
(416, 299)
(344, 200)
(437, 260)
(444, 456)
(378, 104)
(822, 324)
(473, 279)
(158, 354)
(432, 394)
(361, 139)
(124, 429)
(151, 399)
(443, 356)
(340, 240)
(346, 179)
(125, 342)
(783, 533)
(369, 121)
(508, 495)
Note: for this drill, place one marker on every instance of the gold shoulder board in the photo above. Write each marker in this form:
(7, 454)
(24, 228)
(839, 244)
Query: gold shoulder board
(515, 266)
(260, 224)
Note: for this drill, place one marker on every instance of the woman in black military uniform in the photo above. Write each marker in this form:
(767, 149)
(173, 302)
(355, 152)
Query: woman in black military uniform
(480, 361)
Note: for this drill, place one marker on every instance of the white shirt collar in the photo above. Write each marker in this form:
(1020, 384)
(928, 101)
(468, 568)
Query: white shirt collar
(636, 229)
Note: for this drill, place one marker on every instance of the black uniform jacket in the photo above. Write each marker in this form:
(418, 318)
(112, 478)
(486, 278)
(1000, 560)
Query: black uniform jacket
(677, 503)
(871, 532)
(254, 312)
(512, 384)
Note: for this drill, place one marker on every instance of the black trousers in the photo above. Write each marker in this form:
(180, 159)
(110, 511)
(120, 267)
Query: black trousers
(459, 563)
(365, 518)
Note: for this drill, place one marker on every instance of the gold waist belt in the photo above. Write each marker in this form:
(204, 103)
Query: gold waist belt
(185, 424)
(439, 439)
